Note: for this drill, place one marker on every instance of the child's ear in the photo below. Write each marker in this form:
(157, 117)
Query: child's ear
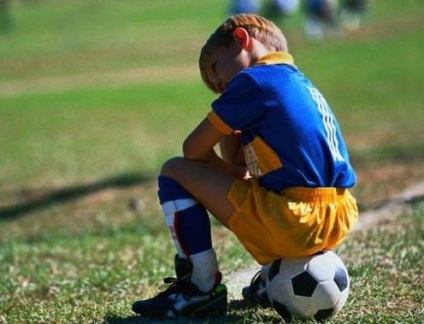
(242, 37)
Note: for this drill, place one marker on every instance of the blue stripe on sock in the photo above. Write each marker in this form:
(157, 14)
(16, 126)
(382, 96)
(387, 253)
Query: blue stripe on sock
(169, 189)
(192, 224)
(194, 229)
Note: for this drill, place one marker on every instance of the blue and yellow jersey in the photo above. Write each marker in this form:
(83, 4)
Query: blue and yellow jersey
(290, 135)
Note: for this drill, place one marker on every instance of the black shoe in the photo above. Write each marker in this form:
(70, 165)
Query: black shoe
(256, 292)
(183, 297)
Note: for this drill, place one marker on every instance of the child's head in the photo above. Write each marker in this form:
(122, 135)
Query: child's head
(259, 28)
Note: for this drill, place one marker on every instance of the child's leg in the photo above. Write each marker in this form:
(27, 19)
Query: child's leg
(256, 292)
(186, 188)
(189, 224)
(208, 185)
(187, 220)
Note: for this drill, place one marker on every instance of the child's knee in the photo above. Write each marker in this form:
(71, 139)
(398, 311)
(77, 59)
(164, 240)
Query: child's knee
(170, 167)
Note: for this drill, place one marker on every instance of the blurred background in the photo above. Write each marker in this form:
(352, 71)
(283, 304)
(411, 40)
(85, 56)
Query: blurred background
(97, 94)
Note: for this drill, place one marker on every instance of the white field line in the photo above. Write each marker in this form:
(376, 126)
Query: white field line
(391, 208)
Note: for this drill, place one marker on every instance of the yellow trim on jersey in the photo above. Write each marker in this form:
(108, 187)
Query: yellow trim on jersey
(276, 58)
(260, 158)
(219, 123)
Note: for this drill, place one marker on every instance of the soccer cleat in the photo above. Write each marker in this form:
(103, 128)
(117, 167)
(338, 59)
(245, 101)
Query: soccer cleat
(183, 297)
(256, 292)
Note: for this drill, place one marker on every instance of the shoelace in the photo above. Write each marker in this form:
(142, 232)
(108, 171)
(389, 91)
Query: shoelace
(256, 280)
(258, 286)
(178, 285)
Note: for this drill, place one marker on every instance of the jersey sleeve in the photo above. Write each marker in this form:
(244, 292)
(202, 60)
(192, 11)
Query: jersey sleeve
(239, 106)
(219, 123)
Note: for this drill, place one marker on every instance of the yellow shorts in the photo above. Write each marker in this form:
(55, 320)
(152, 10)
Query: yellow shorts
(296, 223)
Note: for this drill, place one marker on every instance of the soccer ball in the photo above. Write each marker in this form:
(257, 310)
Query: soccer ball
(313, 287)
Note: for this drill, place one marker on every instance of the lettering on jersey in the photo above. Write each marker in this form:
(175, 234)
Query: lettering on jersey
(329, 124)
(252, 161)
(260, 158)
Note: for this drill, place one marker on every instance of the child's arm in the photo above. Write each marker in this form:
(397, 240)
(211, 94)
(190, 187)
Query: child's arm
(199, 145)
(201, 141)
(232, 153)
(231, 149)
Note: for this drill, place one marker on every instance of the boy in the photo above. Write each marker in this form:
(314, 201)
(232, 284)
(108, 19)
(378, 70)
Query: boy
(321, 16)
(280, 185)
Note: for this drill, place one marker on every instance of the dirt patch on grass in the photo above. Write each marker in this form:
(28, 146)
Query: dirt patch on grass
(109, 79)
(391, 208)
(378, 184)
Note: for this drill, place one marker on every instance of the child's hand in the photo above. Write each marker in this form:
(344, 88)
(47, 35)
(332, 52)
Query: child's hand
(240, 172)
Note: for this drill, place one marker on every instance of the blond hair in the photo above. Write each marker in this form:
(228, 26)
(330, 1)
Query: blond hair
(262, 29)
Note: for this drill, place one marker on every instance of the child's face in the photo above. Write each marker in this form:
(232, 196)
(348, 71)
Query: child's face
(225, 63)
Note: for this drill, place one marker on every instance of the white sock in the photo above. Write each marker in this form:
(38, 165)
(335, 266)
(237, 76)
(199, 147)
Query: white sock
(169, 209)
(205, 267)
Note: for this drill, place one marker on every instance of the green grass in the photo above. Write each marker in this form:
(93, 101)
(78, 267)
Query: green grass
(77, 131)
(96, 276)
(95, 95)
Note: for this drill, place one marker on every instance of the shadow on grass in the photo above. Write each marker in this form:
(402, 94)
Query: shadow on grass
(71, 193)
(239, 311)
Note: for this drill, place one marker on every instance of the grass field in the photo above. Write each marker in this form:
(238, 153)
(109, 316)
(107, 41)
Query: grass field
(95, 95)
